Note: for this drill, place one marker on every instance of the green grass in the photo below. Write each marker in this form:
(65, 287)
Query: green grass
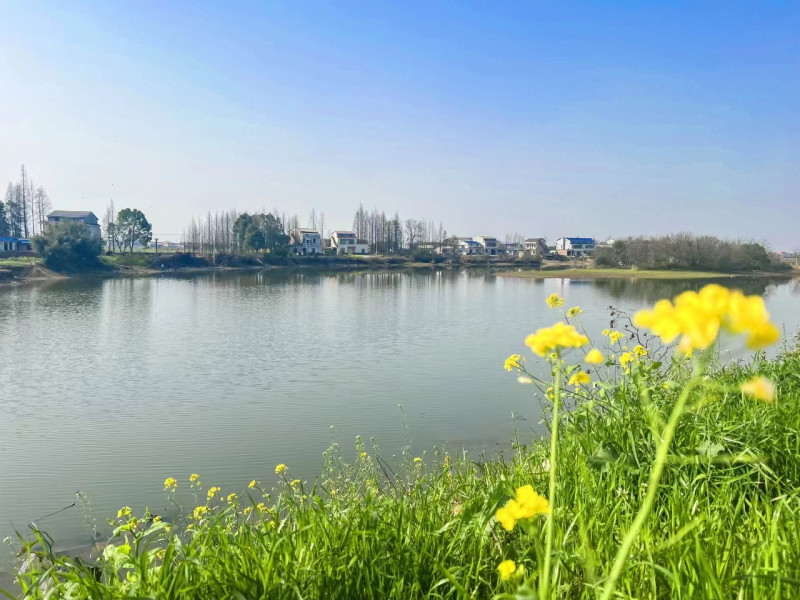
(725, 523)
(22, 261)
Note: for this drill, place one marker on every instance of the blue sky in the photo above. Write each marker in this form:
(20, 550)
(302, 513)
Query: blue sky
(548, 119)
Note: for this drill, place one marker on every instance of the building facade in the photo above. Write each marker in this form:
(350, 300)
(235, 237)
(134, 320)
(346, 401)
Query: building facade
(535, 247)
(346, 242)
(489, 244)
(305, 242)
(88, 218)
(574, 246)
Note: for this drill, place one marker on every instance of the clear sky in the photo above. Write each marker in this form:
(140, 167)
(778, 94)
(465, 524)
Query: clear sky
(544, 118)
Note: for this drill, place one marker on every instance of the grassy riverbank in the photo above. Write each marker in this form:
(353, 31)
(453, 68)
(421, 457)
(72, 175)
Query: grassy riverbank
(723, 521)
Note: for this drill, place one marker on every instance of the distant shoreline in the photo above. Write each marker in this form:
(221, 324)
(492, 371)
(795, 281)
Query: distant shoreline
(36, 272)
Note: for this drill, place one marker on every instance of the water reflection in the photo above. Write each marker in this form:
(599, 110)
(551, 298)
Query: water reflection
(111, 386)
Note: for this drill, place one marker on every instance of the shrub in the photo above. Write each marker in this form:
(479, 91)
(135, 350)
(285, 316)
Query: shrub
(69, 247)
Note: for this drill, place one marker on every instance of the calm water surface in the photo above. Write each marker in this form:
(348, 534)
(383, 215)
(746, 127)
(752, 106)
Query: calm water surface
(110, 386)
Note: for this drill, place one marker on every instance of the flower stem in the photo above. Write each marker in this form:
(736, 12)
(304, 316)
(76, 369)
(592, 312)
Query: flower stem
(544, 587)
(652, 489)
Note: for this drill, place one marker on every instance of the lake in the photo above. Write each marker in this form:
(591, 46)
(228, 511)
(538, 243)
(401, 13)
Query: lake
(109, 386)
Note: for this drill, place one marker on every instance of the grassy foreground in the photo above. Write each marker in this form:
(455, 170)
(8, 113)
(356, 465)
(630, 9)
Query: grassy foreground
(724, 522)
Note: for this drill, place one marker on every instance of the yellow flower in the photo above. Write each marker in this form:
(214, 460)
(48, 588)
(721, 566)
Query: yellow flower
(200, 512)
(550, 394)
(213, 491)
(574, 311)
(512, 362)
(666, 385)
(639, 350)
(698, 317)
(125, 511)
(363, 456)
(606, 332)
(526, 505)
(549, 339)
(294, 482)
(247, 510)
(524, 379)
(232, 498)
(759, 388)
(252, 484)
(554, 301)
(614, 336)
(261, 507)
(625, 359)
(281, 468)
(507, 568)
(170, 483)
(417, 459)
(594, 357)
(579, 378)
(194, 477)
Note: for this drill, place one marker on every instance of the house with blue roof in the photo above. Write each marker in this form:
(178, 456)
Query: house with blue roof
(574, 246)
(9, 244)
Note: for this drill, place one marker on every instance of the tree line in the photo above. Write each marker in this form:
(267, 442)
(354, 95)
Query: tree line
(686, 251)
(232, 232)
(24, 209)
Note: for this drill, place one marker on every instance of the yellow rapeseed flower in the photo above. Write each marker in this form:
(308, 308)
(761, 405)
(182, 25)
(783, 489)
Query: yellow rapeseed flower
(260, 507)
(507, 568)
(525, 505)
(170, 483)
(157, 519)
(549, 339)
(512, 362)
(125, 511)
(194, 477)
(247, 510)
(252, 484)
(232, 497)
(417, 459)
(594, 357)
(625, 359)
(200, 512)
(281, 468)
(639, 350)
(759, 388)
(698, 317)
(574, 311)
(578, 379)
(294, 482)
(554, 301)
(213, 490)
(614, 336)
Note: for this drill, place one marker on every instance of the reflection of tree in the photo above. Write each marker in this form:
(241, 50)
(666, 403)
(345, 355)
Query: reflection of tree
(648, 291)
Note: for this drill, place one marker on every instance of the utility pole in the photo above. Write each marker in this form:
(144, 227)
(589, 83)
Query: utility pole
(156, 245)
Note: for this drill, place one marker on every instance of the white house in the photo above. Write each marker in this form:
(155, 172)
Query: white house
(88, 218)
(536, 247)
(346, 242)
(305, 241)
(489, 244)
(469, 247)
(574, 246)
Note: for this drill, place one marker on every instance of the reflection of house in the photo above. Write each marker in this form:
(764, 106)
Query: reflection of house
(88, 218)
(536, 247)
(574, 246)
(489, 244)
(346, 242)
(305, 241)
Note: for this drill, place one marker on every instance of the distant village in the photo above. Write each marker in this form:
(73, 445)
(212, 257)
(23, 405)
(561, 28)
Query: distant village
(303, 241)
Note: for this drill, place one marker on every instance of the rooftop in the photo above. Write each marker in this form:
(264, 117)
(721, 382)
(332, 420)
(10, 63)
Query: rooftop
(70, 214)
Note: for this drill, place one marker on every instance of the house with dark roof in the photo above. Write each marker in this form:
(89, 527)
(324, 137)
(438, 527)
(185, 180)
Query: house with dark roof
(574, 246)
(304, 241)
(88, 218)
